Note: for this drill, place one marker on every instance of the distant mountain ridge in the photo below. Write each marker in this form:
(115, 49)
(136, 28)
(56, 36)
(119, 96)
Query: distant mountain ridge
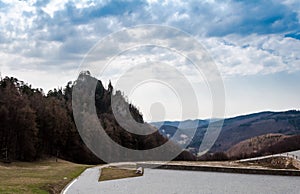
(236, 129)
(186, 124)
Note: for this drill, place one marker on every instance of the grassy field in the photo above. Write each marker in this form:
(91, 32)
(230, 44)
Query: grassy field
(112, 173)
(37, 177)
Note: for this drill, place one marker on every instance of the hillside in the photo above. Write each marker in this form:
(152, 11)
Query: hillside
(264, 145)
(255, 145)
(241, 128)
(238, 129)
(35, 125)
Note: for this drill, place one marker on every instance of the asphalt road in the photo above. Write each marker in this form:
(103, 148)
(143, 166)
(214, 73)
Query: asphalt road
(157, 181)
(87, 182)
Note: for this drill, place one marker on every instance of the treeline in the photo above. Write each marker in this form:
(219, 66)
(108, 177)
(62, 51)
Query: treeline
(36, 125)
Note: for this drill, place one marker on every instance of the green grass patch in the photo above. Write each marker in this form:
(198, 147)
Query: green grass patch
(37, 177)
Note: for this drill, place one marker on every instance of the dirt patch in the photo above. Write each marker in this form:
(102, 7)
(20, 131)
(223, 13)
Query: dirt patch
(112, 173)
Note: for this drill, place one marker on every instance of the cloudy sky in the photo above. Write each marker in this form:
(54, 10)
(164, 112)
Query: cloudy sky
(255, 44)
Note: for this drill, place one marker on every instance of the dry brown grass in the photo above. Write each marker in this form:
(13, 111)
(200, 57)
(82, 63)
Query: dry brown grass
(276, 162)
(112, 173)
(37, 177)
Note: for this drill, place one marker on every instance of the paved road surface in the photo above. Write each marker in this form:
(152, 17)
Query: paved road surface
(87, 182)
(157, 181)
(165, 181)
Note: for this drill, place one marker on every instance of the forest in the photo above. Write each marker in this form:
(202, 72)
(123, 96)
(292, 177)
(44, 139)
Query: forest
(35, 125)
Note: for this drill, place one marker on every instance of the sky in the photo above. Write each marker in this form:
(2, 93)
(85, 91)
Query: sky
(254, 44)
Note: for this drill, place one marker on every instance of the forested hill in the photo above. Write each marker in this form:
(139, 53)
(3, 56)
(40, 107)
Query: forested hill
(35, 125)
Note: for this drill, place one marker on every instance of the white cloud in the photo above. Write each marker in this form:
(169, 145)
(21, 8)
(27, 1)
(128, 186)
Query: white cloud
(254, 54)
(244, 38)
(53, 6)
(293, 5)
